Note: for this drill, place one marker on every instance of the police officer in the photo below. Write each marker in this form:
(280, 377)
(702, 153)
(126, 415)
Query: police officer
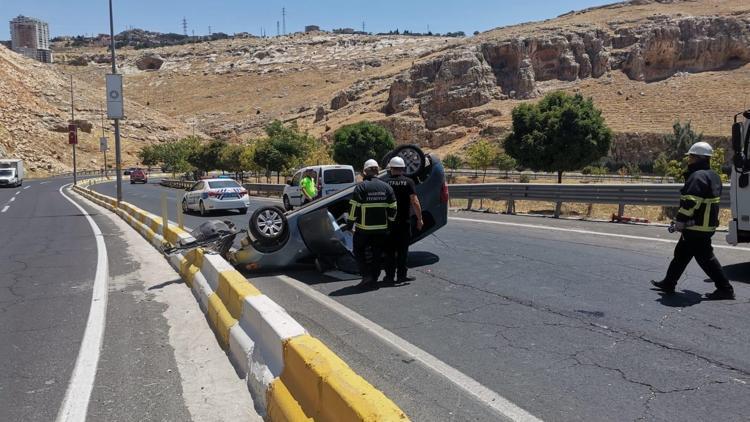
(399, 237)
(697, 219)
(373, 207)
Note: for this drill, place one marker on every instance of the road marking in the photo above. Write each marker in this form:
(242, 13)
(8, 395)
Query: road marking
(495, 401)
(5, 208)
(579, 231)
(13, 198)
(43, 183)
(26, 187)
(18, 192)
(76, 402)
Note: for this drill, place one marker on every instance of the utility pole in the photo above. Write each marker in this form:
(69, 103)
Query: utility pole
(106, 170)
(278, 31)
(209, 30)
(73, 122)
(184, 26)
(283, 18)
(363, 27)
(118, 158)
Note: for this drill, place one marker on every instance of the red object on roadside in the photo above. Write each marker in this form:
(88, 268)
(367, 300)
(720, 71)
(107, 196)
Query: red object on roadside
(72, 134)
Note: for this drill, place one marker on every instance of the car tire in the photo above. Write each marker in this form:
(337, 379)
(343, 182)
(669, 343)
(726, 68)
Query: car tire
(287, 204)
(185, 208)
(269, 229)
(243, 211)
(202, 209)
(412, 155)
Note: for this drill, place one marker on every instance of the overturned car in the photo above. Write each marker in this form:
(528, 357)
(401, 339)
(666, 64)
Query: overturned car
(277, 239)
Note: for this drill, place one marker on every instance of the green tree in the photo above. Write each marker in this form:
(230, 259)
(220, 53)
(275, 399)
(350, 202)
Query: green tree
(231, 159)
(175, 155)
(682, 138)
(247, 158)
(207, 157)
(451, 162)
(482, 155)
(269, 158)
(717, 162)
(505, 162)
(150, 155)
(357, 143)
(560, 133)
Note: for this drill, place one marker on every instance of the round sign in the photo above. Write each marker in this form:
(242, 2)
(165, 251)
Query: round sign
(114, 94)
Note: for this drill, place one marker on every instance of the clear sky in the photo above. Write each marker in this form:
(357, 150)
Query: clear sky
(77, 17)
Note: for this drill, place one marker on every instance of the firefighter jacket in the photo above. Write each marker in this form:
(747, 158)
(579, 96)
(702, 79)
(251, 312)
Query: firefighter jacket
(700, 197)
(373, 206)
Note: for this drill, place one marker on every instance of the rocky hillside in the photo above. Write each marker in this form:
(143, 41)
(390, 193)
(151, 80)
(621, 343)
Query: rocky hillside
(646, 63)
(35, 111)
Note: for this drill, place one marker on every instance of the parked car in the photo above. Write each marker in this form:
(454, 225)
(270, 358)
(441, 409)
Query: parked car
(138, 176)
(330, 179)
(215, 194)
(277, 239)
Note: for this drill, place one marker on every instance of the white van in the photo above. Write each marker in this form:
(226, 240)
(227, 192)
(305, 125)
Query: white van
(739, 227)
(330, 179)
(11, 172)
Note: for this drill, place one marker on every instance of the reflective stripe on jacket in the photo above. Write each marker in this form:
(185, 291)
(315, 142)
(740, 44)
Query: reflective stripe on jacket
(700, 198)
(373, 205)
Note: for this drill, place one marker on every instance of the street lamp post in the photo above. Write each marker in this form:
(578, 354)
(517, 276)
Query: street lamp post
(118, 157)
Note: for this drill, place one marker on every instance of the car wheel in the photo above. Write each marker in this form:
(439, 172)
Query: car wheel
(287, 203)
(243, 211)
(185, 208)
(132, 182)
(202, 209)
(413, 157)
(269, 229)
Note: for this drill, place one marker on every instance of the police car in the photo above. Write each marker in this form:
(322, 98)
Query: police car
(215, 194)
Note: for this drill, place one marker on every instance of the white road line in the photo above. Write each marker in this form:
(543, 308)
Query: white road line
(26, 187)
(5, 208)
(43, 183)
(12, 198)
(579, 231)
(76, 402)
(18, 192)
(461, 380)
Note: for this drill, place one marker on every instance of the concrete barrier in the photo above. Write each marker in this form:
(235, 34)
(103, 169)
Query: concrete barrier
(291, 375)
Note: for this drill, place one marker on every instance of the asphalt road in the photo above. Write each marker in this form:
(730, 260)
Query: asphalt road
(48, 261)
(557, 320)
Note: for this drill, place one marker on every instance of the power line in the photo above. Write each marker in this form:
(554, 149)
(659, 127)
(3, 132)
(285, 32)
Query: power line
(278, 31)
(283, 18)
(184, 26)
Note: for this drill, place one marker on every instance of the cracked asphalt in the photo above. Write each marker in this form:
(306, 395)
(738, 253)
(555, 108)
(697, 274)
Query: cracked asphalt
(563, 324)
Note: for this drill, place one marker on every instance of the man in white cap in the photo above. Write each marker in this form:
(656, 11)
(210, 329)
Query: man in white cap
(373, 208)
(697, 220)
(399, 237)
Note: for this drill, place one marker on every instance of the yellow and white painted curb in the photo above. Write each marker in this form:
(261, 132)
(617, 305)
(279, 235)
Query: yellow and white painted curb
(291, 375)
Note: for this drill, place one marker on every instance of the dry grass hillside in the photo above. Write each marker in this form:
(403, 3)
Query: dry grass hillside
(35, 111)
(647, 63)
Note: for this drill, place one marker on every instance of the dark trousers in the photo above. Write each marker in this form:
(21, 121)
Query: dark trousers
(696, 245)
(397, 250)
(368, 250)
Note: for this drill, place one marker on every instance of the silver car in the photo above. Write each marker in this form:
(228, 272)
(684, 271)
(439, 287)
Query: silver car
(215, 194)
(277, 239)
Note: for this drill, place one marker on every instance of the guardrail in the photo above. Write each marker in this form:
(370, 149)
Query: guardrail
(534, 175)
(631, 194)
(257, 188)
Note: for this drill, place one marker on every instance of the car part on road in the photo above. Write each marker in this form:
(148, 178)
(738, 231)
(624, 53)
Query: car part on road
(413, 157)
(213, 236)
(269, 229)
(242, 211)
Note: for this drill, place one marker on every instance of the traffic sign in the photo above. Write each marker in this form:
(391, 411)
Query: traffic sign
(103, 146)
(72, 134)
(115, 109)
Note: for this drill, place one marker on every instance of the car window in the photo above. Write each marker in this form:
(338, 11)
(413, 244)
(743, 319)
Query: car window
(338, 176)
(223, 184)
(296, 179)
(198, 186)
(5, 172)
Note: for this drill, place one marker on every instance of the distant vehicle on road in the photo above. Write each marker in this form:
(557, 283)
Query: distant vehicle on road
(128, 171)
(739, 227)
(277, 239)
(11, 172)
(330, 179)
(215, 194)
(138, 176)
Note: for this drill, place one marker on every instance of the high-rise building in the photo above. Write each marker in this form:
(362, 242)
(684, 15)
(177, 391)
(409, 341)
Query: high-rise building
(30, 37)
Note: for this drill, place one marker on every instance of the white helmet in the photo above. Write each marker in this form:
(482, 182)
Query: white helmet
(370, 164)
(396, 163)
(701, 148)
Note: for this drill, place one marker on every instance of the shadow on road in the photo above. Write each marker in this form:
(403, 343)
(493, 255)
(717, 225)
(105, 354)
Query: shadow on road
(683, 299)
(738, 272)
(166, 283)
(421, 259)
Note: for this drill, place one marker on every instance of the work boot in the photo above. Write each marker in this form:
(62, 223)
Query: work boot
(721, 294)
(664, 287)
(367, 284)
(406, 279)
(388, 281)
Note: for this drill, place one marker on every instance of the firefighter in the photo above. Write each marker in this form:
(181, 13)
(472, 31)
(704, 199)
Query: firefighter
(697, 220)
(373, 207)
(399, 237)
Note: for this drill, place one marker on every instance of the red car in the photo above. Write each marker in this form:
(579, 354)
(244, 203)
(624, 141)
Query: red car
(138, 176)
